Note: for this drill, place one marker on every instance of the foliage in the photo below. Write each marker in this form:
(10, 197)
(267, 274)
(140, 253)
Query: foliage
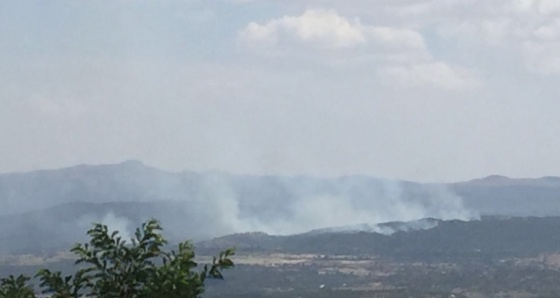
(16, 287)
(111, 267)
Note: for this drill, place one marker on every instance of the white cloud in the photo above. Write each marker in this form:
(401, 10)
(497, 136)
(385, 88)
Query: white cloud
(526, 30)
(545, 7)
(323, 27)
(548, 6)
(399, 52)
(327, 29)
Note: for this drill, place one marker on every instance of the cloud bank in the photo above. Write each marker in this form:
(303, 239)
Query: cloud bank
(400, 54)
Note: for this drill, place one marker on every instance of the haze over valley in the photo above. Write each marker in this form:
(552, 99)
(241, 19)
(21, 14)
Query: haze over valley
(52, 208)
(346, 148)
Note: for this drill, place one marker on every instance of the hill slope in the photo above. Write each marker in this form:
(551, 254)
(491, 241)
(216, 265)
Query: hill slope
(42, 208)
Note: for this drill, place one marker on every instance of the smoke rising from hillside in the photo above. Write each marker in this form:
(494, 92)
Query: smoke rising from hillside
(113, 222)
(204, 205)
(346, 204)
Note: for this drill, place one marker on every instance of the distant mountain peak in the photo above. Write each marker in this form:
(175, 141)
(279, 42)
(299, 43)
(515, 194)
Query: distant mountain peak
(132, 163)
(501, 181)
(496, 178)
(490, 180)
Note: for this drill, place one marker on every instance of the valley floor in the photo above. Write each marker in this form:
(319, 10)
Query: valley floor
(285, 275)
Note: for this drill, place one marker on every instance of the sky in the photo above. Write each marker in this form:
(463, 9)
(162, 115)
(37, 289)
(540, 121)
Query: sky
(424, 90)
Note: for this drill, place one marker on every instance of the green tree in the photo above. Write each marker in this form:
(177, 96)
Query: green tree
(16, 287)
(112, 267)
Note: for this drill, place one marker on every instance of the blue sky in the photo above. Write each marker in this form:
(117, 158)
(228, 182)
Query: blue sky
(422, 90)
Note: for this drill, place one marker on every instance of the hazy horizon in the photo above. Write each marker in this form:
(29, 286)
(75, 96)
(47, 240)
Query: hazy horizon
(210, 171)
(429, 91)
(123, 193)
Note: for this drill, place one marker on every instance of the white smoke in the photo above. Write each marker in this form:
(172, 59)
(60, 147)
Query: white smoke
(119, 224)
(311, 213)
(199, 206)
(219, 203)
(385, 229)
(112, 221)
(387, 202)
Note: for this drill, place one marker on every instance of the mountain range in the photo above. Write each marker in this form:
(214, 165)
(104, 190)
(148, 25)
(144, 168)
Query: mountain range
(51, 209)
